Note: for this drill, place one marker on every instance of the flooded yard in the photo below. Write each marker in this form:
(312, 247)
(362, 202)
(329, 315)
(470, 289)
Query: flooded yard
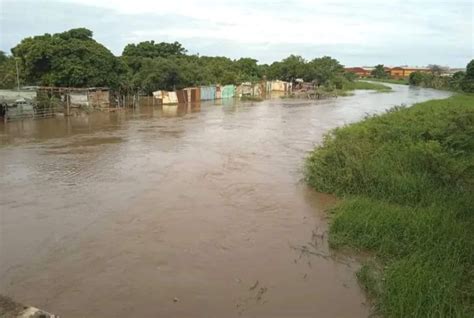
(178, 211)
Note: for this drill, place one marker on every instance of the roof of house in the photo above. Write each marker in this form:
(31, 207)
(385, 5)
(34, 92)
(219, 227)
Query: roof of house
(356, 69)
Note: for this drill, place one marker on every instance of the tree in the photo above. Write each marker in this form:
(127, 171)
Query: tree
(379, 71)
(158, 73)
(350, 76)
(7, 71)
(288, 69)
(456, 80)
(263, 70)
(467, 84)
(274, 71)
(3, 57)
(151, 49)
(71, 58)
(292, 67)
(323, 70)
(417, 78)
(247, 69)
(436, 69)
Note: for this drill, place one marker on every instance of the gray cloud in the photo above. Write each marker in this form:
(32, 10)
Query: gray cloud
(365, 32)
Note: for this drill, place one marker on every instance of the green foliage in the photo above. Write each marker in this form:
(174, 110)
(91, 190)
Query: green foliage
(379, 72)
(74, 58)
(7, 71)
(158, 73)
(467, 83)
(459, 81)
(323, 70)
(350, 76)
(288, 69)
(431, 80)
(71, 58)
(408, 177)
(179, 71)
(3, 57)
(248, 70)
(151, 49)
(416, 78)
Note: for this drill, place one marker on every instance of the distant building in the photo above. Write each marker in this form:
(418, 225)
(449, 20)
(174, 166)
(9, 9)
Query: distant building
(400, 72)
(359, 71)
(451, 71)
(97, 97)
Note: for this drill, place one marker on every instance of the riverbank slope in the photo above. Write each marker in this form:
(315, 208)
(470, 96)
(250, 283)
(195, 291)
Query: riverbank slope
(407, 177)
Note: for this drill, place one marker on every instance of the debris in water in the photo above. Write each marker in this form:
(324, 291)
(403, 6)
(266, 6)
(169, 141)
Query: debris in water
(254, 286)
(261, 292)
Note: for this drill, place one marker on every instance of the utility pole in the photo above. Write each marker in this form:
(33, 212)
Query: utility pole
(17, 73)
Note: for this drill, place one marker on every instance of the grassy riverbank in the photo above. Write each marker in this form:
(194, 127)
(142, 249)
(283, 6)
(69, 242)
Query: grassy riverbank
(350, 86)
(407, 177)
(402, 81)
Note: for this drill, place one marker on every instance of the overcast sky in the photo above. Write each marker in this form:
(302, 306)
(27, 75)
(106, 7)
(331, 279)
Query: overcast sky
(356, 32)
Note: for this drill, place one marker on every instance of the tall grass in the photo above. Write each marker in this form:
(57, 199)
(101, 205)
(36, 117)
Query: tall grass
(407, 177)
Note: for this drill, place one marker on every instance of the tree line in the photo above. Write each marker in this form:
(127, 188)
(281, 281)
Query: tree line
(459, 81)
(74, 59)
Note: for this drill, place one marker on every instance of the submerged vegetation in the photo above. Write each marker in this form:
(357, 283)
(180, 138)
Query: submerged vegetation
(251, 98)
(407, 177)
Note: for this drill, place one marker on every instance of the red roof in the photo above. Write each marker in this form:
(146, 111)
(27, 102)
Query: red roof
(356, 70)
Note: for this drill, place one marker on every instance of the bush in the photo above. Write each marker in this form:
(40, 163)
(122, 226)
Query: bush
(408, 179)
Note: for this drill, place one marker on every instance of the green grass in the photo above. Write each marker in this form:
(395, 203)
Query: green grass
(402, 81)
(348, 86)
(407, 179)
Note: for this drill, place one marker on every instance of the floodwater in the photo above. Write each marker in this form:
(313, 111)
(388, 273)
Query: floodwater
(178, 211)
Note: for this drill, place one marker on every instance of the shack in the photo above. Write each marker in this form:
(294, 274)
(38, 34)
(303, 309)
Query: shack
(193, 94)
(278, 86)
(90, 97)
(228, 91)
(182, 96)
(70, 100)
(208, 92)
(16, 104)
(244, 89)
(302, 86)
(165, 97)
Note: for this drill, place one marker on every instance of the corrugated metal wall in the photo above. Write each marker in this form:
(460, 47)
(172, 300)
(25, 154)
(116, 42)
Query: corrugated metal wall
(228, 91)
(208, 92)
(182, 96)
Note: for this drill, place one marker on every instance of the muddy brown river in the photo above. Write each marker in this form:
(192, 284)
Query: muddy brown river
(178, 211)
